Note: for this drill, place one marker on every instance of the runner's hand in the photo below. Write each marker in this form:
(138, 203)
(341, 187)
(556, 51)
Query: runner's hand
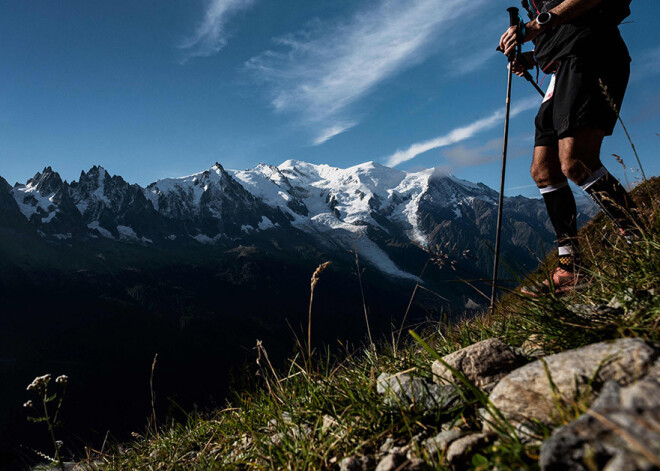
(509, 38)
(521, 64)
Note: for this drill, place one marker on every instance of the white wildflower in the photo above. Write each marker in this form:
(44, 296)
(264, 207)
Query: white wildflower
(39, 383)
(62, 379)
(28, 405)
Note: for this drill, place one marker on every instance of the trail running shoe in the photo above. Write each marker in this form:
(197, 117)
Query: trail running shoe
(561, 282)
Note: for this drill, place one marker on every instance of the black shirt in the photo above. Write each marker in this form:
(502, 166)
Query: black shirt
(593, 36)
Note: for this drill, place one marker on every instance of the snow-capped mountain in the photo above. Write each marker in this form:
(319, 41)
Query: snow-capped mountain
(368, 207)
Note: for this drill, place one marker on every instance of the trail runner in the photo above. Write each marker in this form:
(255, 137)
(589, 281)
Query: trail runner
(578, 42)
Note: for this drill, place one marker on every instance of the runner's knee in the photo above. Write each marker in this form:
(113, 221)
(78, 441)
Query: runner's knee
(575, 170)
(545, 169)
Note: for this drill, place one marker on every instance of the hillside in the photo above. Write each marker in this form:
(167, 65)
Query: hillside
(383, 406)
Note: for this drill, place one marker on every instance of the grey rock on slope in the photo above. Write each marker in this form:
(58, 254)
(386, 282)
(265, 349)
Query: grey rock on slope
(525, 395)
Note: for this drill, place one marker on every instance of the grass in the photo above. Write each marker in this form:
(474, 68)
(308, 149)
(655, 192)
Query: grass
(324, 408)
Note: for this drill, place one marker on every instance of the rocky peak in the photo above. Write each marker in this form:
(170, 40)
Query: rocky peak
(46, 182)
(90, 181)
(5, 187)
(96, 173)
(447, 190)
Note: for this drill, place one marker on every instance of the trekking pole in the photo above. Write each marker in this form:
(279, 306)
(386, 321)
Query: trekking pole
(531, 80)
(513, 21)
(526, 75)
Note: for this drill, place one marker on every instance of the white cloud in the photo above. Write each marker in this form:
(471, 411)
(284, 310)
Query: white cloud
(460, 134)
(334, 130)
(320, 72)
(211, 34)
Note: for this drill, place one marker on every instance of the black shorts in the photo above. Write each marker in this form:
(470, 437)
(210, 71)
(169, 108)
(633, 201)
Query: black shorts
(578, 99)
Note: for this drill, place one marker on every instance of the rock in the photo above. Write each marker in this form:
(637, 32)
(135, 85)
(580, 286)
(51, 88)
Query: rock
(391, 462)
(644, 394)
(402, 389)
(618, 440)
(438, 444)
(595, 311)
(389, 447)
(386, 447)
(609, 397)
(615, 303)
(356, 463)
(525, 394)
(460, 451)
(483, 363)
(620, 432)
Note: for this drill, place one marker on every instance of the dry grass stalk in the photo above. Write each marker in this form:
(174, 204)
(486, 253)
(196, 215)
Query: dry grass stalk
(153, 395)
(395, 345)
(316, 276)
(261, 351)
(612, 104)
(364, 303)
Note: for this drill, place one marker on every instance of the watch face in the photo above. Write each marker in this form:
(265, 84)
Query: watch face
(543, 18)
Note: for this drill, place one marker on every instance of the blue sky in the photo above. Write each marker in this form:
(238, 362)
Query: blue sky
(159, 88)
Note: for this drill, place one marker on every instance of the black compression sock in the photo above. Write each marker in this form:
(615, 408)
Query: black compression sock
(612, 198)
(561, 208)
(569, 259)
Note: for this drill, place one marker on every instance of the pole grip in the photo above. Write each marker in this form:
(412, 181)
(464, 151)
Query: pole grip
(513, 16)
(513, 20)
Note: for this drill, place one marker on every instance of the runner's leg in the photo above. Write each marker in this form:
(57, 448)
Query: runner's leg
(559, 201)
(579, 155)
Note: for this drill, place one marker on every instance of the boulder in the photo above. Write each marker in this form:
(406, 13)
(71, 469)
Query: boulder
(616, 440)
(402, 389)
(643, 394)
(483, 363)
(460, 451)
(525, 395)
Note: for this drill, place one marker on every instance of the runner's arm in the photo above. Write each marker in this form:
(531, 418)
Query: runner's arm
(562, 13)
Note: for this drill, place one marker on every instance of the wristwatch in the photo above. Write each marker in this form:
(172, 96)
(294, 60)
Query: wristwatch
(544, 18)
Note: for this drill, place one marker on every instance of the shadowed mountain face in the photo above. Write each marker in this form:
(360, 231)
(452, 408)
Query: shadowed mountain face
(99, 274)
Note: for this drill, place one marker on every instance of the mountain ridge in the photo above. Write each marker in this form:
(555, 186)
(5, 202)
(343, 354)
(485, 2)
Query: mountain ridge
(366, 206)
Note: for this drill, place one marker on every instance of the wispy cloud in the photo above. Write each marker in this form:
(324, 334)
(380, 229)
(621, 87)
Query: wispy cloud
(211, 34)
(320, 72)
(467, 63)
(460, 134)
(332, 131)
(647, 64)
(462, 156)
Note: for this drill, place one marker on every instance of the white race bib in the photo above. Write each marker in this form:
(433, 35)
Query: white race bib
(551, 89)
